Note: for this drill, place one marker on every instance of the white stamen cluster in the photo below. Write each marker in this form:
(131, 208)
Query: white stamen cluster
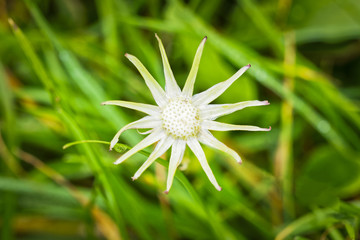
(181, 119)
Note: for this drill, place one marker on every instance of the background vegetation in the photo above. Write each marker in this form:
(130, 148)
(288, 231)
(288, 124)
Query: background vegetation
(60, 59)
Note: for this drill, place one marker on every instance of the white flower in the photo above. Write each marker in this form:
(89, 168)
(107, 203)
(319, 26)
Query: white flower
(182, 118)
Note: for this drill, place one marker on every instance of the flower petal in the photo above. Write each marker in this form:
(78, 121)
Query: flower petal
(142, 107)
(214, 111)
(207, 138)
(177, 154)
(218, 126)
(171, 87)
(145, 122)
(190, 81)
(163, 145)
(195, 147)
(153, 137)
(215, 91)
(157, 92)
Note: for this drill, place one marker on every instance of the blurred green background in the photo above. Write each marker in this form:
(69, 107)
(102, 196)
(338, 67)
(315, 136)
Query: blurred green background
(60, 59)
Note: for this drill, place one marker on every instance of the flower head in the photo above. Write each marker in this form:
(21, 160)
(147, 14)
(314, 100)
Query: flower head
(181, 118)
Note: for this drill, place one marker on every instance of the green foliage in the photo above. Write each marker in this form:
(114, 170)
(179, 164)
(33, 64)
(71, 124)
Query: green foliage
(329, 174)
(60, 59)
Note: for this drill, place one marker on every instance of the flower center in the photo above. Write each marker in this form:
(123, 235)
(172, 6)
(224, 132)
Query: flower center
(181, 119)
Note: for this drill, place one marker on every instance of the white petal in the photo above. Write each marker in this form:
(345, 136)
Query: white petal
(146, 108)
(177, 154)
(157, 92)
(153, 137)
(171, 87)
(207, 138)
(214, 111)
(195, 147)
(163, 145)
(145, 122)
(182, 148)
(146, 132)
(190, 81)
(218, 126)
(215, 91)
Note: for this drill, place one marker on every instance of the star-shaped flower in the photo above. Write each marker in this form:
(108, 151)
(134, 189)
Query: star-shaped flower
(182, 118)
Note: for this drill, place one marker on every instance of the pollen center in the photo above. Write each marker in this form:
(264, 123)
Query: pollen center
(181, 119)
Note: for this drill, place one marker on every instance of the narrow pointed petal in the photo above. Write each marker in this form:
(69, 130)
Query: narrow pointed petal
(145, 122)
(218, 126)
(171, 87)
(146, 108)
(152, 138)
(190, 81)
(215, 91)
(146, 132)
(207, 138)
(214, 111)
(195, 147)
(177, 154)
(156, 90)
(182, 146)
(164, 144)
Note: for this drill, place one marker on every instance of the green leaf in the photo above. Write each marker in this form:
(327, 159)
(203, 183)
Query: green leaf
(325, 176)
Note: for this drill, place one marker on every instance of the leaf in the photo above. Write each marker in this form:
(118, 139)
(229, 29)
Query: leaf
(323, 178)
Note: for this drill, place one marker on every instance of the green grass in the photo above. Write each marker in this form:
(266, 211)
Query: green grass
(60, 59)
